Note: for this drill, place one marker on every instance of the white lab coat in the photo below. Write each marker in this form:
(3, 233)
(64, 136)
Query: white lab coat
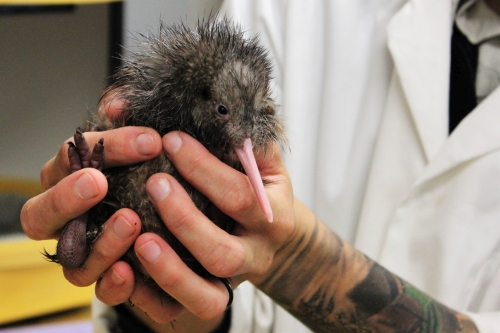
(432, 207)
(424, 204)
(370, 151)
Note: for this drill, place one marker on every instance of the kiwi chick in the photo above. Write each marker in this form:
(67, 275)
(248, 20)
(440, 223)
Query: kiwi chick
(211, 83)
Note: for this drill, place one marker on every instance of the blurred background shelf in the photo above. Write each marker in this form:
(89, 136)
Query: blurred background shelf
(55, 59)
(29, 285)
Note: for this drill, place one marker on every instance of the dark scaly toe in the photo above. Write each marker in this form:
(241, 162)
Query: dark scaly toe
(74, 158)
(83, 149)
(97, 157)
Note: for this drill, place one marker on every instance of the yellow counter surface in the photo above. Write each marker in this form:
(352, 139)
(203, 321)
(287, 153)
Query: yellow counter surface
(30, 286)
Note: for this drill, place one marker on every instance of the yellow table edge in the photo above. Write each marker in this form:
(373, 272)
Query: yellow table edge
(30, 286)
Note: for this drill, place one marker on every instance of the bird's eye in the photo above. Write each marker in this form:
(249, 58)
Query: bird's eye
(222, 110)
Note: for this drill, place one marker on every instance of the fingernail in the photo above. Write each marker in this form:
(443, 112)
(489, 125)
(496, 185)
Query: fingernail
(85, 187)
(116, 278)
(158, 189)
(150, 251)
(144, 144)
(172, 143)
(122, 228)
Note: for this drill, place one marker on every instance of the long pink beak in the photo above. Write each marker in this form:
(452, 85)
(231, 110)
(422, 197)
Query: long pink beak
(247, 159)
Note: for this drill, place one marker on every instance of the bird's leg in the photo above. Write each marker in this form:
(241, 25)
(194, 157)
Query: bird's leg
(73, 246)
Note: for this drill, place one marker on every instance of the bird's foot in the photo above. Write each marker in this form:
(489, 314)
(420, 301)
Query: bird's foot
(73, 246)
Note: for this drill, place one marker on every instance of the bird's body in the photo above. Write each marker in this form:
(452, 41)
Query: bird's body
(211, 83)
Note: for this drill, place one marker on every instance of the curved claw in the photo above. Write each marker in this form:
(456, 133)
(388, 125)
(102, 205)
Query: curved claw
(97, 157)
(82, 147)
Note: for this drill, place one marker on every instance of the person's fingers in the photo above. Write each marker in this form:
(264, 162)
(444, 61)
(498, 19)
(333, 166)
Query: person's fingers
(116, 284)
(200, 168)
(250, 252)
(160, 308)
(119, 233)
(122, 146)
(43, 216)
(228, 256)
(231, 191)
(206, 299)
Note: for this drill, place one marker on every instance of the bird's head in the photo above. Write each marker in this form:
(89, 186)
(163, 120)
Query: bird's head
(212, 83)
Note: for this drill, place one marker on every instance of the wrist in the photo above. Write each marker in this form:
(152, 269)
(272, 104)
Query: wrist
(293, 252)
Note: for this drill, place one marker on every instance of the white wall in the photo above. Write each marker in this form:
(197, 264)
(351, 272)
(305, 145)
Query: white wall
(144, 16)
(53, 68)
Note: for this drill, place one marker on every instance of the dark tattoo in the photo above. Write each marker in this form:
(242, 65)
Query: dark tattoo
(341, 290)
(375, 292)
(318, 307)
(388, 303)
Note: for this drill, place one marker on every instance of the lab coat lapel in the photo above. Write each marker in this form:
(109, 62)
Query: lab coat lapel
(419, 42)
(474, 137)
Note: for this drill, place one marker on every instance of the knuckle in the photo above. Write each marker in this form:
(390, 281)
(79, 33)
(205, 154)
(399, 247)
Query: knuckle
(183, 220)
(103, 254)
(169, 281)
(209, 308)
(190, 168)
(226, 261)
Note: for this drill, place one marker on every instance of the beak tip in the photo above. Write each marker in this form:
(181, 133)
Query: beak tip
(269, 214)
(266, 207)
(247, 159)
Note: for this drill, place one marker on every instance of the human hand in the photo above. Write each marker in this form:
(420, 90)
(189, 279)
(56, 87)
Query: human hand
(69, 195)
(249, 254)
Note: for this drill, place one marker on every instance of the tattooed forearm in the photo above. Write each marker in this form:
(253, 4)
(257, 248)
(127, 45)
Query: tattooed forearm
(385, 303)
(332, 287)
